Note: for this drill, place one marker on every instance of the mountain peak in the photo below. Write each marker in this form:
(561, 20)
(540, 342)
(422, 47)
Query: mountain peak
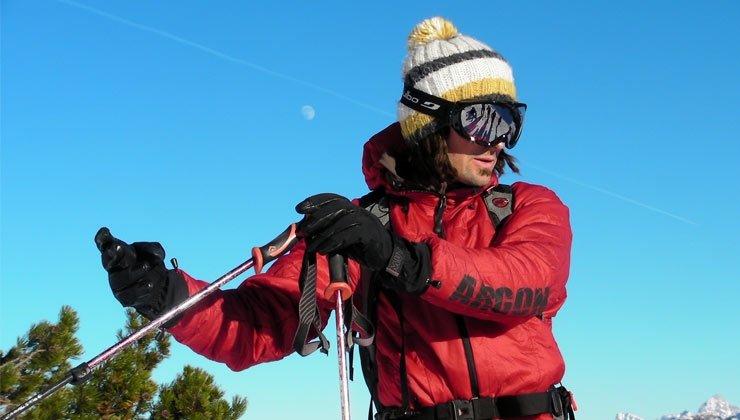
(715, 408)
(718, 406)
(627, 416)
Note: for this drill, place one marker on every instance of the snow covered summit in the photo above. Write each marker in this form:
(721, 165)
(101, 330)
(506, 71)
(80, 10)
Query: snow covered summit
(715, 408)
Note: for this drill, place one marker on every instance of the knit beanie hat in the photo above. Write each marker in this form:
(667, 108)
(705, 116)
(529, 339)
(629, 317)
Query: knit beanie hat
(452, 66)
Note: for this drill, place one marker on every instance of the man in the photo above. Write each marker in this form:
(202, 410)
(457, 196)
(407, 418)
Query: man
(462, 302)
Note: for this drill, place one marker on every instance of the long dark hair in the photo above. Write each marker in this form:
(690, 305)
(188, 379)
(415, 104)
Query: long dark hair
(426, 164)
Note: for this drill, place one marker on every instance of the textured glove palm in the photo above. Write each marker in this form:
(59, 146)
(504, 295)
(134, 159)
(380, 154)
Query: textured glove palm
(138, 277)
(333, 224)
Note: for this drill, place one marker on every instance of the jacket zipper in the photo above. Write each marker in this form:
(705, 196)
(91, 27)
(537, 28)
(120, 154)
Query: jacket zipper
(439, 228)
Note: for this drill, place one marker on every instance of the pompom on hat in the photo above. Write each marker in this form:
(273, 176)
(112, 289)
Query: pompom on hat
(449, 65)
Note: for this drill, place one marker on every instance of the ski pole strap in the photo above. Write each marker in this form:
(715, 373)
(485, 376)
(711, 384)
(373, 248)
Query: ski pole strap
(363, 331)
(556, 401)
(359, 329)
(308, 311)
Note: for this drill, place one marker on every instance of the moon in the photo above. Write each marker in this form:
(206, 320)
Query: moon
(308, 112)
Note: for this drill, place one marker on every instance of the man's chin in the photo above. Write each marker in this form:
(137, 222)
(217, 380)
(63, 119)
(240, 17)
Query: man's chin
(486, 173)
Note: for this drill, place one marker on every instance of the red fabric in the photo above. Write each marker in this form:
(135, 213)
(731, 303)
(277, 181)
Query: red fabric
(508, 287)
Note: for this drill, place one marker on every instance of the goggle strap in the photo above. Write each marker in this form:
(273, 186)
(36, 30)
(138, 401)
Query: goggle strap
(426, 103)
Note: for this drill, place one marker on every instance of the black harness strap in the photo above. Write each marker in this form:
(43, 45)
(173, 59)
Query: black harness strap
(395, 301)
(555, 401)
(472, 372)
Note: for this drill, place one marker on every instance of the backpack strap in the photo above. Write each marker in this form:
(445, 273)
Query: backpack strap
(371, 292)
(377, 202)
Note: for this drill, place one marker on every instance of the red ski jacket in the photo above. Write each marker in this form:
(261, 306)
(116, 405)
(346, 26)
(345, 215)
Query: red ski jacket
(507, 286)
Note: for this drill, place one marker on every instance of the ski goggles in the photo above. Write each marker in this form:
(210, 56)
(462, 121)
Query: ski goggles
(486, 123)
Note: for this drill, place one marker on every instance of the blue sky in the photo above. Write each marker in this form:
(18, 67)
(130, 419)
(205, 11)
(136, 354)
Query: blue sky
(181, 122)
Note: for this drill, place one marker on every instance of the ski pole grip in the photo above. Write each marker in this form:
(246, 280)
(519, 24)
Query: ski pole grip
(337, 278)
(275, 248)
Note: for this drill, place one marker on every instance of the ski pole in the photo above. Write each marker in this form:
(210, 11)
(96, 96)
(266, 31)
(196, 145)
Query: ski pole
(81, 373)
(340, 290)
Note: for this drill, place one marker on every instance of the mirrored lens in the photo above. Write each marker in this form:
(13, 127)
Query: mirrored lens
(490, 123)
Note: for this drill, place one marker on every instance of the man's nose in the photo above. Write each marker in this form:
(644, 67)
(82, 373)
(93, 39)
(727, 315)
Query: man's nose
(497, 147)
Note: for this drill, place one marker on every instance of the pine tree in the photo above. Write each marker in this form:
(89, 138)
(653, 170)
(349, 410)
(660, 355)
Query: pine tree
(193, 395)
(119, 389)
(39, 359)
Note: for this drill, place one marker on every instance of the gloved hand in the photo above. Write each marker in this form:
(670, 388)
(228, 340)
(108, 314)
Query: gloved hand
(333, 224)
(138, 277)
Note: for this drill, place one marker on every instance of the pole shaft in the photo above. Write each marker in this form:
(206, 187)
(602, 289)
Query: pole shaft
(36, 398)
(342, 353)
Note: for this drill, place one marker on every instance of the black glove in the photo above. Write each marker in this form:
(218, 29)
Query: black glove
(333, 224)
(138, 277)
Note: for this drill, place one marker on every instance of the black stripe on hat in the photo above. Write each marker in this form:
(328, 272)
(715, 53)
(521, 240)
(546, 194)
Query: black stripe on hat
(423, 70)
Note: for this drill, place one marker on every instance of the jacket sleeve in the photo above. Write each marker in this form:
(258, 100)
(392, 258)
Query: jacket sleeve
(522, 274)
(257, 321)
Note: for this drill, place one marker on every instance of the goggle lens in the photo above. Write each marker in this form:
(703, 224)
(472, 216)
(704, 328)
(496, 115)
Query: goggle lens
(488, 124)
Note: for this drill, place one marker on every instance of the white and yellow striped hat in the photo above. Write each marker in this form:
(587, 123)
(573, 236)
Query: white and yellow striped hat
(446, 64)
